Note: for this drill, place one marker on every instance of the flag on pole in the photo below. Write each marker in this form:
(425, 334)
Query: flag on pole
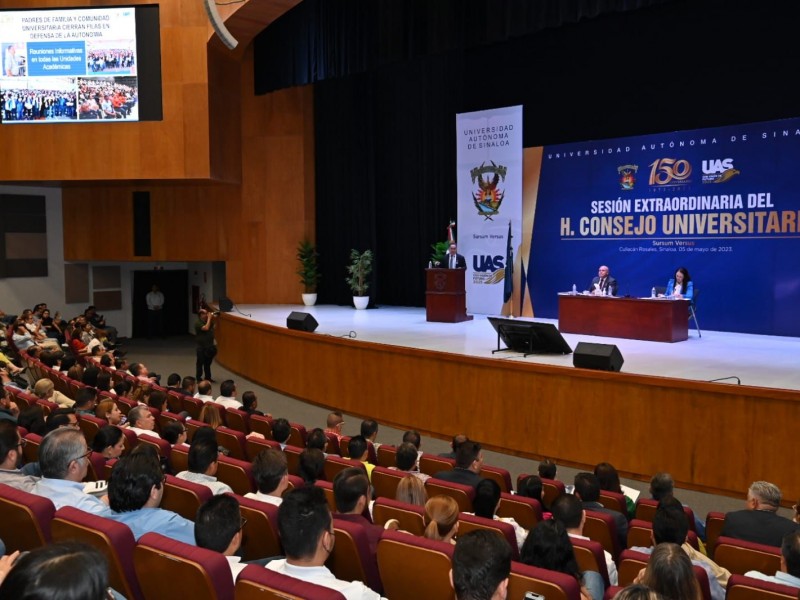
(508, 284)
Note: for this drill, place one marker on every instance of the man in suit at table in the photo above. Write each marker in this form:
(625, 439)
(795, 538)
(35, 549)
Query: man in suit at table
(454, 260)
(603, 282)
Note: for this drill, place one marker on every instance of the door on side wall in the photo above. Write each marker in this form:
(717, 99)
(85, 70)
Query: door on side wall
(175, 287)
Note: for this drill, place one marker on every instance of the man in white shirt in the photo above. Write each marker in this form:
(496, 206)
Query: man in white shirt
(227, 395)
(790, 563)
(306, 530)
(272, 476)
(567, 508)
(64, 460)
(218, 527)
(204, 391)
(155, 312)
(203, 463)
(142, 421)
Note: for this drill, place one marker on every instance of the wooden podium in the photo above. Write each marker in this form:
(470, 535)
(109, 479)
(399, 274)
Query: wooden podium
(445, 296)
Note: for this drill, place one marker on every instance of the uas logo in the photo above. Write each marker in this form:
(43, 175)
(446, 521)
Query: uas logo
(719, 170)
(488, 269)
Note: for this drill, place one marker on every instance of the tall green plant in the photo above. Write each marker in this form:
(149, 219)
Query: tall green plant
(439, 251)
(358, 271)
(308, 271)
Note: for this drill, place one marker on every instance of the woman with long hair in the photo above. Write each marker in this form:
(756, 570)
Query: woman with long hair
(548, 547)
(411, 490)
(210, 415)
(681, 286)
(608, 478)
(108, 410)
(109, 441)
(441, 519)
(669, 572)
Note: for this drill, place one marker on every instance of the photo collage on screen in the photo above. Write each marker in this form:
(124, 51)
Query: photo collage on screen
(73, 65)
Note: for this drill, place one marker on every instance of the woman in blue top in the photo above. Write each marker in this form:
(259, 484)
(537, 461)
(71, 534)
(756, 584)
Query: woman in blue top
(681, 285)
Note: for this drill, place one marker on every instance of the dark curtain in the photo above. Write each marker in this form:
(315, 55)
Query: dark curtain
(385, 151)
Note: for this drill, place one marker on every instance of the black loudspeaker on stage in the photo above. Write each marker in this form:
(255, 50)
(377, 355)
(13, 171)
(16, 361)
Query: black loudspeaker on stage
(603, 357)
(301, 321)
(225, 304)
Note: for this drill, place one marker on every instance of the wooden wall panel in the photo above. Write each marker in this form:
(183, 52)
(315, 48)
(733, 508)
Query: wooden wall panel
(710, 437)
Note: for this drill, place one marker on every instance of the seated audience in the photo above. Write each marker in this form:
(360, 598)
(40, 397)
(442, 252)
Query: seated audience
(637, 591)
(211, 416)
(312, 465)
(548, 547)
(85, 401)
(608, 478)
(469, 460)
(67, 570)
(204, 391)
(60, 418)
(531, 487)
(218, 527)
(334, 424)
(189, 386)
(281, 430)
(64, 461)
(108, 410)
(250, 404)
(587, 488)
(411, 491)
(227, 395)
(485, 503)
(406, 458)
(46, 390)
(135, 489)
(662, 486)
(760, 521)
(110, 442)
(360, 452)
(789, 573)
(457, 440)
(481, 566)
(441, 519)
(11, 445)
(203, 464)
(369, 430)
(317, 439)
(669, 573)
(671, 527)
(351, 492)
(547, 469)
(142, 421)
(272, 476)
(175, 433)
(306, 531)
(567, 510)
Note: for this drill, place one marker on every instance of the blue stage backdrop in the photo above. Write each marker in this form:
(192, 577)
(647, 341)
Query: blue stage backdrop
(723, 202)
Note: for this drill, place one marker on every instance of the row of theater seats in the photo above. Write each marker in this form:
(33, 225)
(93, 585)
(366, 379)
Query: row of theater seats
(737, 556)
(156, 567)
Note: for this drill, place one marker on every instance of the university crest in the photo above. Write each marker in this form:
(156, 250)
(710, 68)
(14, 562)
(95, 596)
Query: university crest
(487, 197)
(627, 176)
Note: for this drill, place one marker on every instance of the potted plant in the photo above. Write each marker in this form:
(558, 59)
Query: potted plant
(439, 254)
(357, 276)
(308, 271)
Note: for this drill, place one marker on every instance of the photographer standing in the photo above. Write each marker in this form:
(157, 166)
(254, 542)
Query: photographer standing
(206, 349)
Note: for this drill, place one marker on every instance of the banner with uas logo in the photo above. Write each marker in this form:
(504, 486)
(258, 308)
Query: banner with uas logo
(489, 171)
(720, 202)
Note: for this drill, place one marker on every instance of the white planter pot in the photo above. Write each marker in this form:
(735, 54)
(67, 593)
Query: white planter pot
(361, 302)
(309, 299)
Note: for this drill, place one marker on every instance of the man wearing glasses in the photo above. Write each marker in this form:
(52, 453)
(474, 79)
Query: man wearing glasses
(11, 445)
(306, 530)
(64, 461)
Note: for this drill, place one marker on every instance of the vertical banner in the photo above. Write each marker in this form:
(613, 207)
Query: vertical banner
(489, 172)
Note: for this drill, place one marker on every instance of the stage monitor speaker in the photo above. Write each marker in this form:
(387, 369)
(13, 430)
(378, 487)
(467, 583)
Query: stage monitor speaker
(603, 357)
(225, 304)
(301, 321)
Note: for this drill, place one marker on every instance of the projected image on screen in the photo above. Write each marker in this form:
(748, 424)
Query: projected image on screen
(32, 99)
(69, 65)
(107, 98)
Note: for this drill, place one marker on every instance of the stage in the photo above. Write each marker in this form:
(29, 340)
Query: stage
(757, 360)
(661, 412)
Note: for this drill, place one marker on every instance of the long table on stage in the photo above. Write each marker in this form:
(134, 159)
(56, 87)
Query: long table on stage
(653, 319)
